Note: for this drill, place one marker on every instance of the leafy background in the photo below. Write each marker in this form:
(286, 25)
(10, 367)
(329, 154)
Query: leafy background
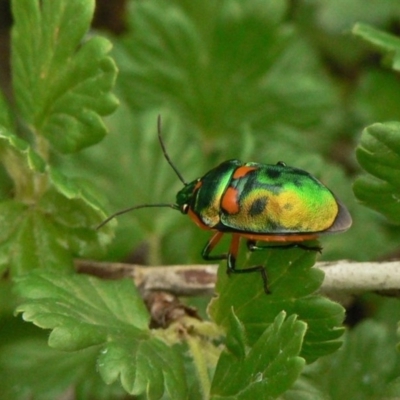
(312, 83)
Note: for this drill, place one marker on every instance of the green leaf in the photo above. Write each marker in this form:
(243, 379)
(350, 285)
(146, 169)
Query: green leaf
(62, 85)
(339, 15)
(379, 154)
(144, 366)
(385, 42)
(49, 234)
(50, 220)
(44, 226)
(366, 367)
(28, 240)
(23, 165)
(292, 283)
(31, 369)
(267, 368)
(195, 59)
(377, 96)
(84, 311)
(95, 304)
(77, 213)
(5, 113)
(305, 389)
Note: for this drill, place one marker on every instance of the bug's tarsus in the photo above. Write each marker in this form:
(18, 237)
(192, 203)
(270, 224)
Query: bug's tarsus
(252, 246)
(164, 150)
(310, 248)
(231, 269)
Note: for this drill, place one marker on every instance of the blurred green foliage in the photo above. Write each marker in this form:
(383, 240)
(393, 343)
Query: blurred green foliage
(237, 80)
(260, 81)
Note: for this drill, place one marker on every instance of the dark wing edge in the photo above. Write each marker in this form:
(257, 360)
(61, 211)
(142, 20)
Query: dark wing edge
(342, 221)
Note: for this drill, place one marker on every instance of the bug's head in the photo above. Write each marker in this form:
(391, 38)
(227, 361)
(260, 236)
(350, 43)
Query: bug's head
(185, 197)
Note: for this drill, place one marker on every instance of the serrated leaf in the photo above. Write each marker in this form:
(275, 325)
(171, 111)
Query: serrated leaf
(84, 311)
(31, 369)
(78, 298)
(49, 234)
(267, 368)
(62, 86)
(366, 367)
(20, 237)
(379, 154)
(383, 41)
(236, 339)
(144, 366)
(292, 283)
(28, 240)
(23, 164)
(305, 389)
(43, 227)
(51, 74)
(195, 59)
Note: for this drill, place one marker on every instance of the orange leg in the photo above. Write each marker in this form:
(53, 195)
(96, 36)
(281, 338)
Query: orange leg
(233, 251)
(231, 257)
(208, 248)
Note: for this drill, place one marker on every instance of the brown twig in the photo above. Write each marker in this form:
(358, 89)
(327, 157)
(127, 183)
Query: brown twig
(341, 277)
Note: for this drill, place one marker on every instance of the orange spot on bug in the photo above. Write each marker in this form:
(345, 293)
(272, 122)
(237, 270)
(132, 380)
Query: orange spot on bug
(230, 200)
(242, 171)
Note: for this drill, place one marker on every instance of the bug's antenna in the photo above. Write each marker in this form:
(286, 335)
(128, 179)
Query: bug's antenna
(164, 150)
(173, 206)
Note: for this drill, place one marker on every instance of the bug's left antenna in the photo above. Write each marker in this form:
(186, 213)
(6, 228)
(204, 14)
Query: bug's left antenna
(173, 206)
(164, 150)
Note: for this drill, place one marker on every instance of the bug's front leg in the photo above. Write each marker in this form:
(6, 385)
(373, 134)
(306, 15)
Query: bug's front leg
(208, 248)
(252, 246)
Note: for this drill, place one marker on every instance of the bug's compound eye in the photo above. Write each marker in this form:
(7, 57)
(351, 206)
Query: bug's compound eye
(185, 208)
(281, 163)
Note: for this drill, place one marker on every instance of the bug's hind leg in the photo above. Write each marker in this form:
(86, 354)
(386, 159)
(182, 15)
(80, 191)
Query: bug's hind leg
(252, 246)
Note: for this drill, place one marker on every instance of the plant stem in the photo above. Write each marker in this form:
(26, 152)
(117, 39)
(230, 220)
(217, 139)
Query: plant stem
(154, 256)
(200, 364)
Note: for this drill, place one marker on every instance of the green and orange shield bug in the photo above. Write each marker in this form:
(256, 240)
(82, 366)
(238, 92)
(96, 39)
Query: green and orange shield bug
(277, 204)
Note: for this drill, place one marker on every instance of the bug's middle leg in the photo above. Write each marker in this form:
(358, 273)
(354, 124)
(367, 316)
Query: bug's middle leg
(231, 263)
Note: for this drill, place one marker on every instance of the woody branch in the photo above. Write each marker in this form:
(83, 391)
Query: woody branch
(342, 277)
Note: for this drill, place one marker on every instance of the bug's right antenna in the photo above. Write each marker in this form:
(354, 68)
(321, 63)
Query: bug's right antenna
(164, 150)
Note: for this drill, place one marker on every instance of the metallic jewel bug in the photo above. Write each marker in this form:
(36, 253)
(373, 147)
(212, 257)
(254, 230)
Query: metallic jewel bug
(256, 202)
